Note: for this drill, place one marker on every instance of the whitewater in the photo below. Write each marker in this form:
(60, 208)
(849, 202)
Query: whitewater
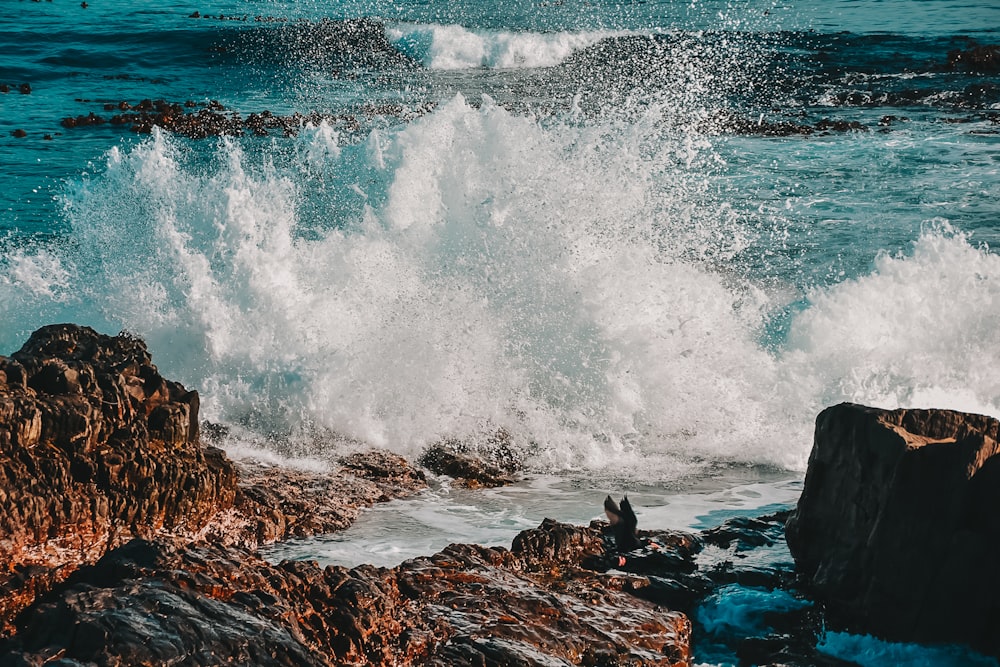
(477, 270)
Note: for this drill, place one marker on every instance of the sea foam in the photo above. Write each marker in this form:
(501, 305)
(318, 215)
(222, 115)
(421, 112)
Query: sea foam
(572, 283)
(438, 46)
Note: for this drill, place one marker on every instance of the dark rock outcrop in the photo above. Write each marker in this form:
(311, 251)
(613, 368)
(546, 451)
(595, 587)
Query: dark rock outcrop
(160, 602)
(97, 448)
(897, 528)
(982, 59)
(468, 469)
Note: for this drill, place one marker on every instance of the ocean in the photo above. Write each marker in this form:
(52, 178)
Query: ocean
(648, 241)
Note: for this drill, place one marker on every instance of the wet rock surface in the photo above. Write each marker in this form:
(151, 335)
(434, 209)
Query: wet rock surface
(276, 503)
(497, 465)
(162, 602)
(97, 448)
(560, 595)
(897, 529)
(129, 542)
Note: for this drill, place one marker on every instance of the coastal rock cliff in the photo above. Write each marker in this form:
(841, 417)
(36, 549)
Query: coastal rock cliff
(897, 528)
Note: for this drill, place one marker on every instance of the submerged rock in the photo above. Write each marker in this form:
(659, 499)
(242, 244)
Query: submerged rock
(982, 59)
(897, 528)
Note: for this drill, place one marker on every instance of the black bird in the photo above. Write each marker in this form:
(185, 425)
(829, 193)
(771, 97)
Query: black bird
(623, 523)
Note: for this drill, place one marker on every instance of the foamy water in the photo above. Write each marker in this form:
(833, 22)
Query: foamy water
(568, 283)
(390, 533)
(456, 47)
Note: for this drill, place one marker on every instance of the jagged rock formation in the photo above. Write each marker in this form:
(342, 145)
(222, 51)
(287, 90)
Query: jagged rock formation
(470, 470)
(97, 448)
(897, 528)
(151, 603)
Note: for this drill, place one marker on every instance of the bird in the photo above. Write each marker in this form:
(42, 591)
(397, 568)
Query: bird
(623, 523)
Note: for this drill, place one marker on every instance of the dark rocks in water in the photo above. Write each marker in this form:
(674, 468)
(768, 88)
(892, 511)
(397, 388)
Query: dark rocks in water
(89, 120)
(161, 602)
(747, 532)
(730, 123)
(19, 133)
(24, 88)
(980, 59)
(886, 121)
(682, 571)
(491, 465)
(897, 527)
(212, 120)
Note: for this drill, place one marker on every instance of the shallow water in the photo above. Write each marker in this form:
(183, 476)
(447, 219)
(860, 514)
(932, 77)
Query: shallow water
(392, 532)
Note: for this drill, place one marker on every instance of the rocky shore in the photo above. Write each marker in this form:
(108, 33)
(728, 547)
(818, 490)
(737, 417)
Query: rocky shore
(129, 541)
(97, 449)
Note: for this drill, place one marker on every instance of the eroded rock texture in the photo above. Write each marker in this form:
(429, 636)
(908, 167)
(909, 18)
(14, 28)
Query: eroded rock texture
(898, 528)
(275, 503)
(97, 448)
(151, 603)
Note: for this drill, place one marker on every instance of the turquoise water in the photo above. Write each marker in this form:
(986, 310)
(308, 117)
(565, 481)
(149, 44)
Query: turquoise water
(518, 215)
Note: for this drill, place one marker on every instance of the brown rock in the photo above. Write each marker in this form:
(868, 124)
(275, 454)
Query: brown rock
(161, 602)
(97, 448)
(897, 527)
(276, 503)
(490, 464)
(87, 421)
(100, 463)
